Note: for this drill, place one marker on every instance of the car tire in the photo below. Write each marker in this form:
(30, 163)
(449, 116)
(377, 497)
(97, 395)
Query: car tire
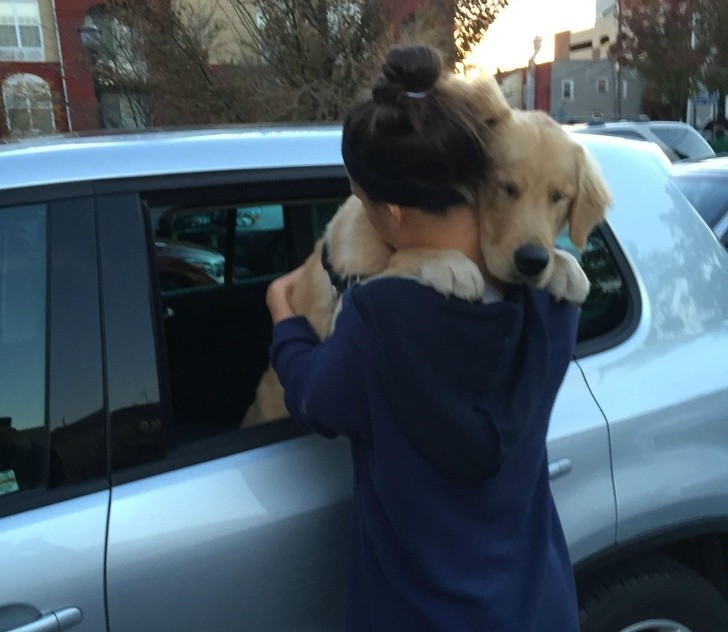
(652, 594)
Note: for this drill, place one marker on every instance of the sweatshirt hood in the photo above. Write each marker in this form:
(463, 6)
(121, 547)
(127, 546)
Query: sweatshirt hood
(462, 378)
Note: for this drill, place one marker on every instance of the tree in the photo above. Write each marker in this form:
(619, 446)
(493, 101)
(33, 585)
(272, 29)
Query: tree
(656, 39)
(222, 61)
(679, 47)
(318, 53)
(472, 20)
(712, 41)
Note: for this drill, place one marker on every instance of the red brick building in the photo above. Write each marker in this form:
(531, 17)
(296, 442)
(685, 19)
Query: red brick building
(45, 81)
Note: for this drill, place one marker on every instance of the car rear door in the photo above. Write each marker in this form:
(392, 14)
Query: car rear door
(54, 494)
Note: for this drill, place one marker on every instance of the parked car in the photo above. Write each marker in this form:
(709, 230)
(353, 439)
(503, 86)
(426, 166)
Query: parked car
(130, 497)
(678, 140)
(181, 264)
(705, 184)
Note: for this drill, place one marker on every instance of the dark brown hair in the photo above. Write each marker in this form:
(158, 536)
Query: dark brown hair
(416, 132)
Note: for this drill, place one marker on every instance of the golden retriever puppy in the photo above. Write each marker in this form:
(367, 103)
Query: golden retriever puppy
(356, 252)
(543, 181)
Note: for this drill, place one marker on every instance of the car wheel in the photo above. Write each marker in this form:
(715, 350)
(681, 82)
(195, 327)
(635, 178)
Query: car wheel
(652, 594)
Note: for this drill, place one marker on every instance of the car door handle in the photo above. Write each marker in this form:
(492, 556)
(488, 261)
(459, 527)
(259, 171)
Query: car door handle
(53, 621)
(559, 468)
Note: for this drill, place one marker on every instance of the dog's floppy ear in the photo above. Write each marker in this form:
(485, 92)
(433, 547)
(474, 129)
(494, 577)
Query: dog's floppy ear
(591, 200)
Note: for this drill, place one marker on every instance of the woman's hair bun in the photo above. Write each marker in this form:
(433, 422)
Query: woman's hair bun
(415, 68)
(410, 69)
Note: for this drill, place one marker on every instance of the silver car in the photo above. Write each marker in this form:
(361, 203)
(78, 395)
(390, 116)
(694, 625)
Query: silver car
(678, 140)
(131, 499)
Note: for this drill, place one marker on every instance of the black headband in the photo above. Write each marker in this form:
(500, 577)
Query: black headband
(389, 188)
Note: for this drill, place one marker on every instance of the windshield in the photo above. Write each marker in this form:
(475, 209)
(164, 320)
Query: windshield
(709, 195)
(683, 140)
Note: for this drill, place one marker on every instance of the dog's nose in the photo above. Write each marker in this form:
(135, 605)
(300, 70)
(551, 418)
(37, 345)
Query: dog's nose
(531, 260)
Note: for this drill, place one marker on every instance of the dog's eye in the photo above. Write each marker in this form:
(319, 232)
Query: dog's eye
(510, 189)
(557, 196)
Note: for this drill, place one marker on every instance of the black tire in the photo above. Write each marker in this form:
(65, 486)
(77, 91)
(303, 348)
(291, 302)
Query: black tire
(653, 587)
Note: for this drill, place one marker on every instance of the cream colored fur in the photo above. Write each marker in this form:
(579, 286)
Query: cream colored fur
(530, 152)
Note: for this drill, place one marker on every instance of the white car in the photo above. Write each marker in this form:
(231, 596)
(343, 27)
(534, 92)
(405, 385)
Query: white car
(130, 497)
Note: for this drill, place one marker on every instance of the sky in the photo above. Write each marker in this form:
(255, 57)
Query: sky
(508, 43)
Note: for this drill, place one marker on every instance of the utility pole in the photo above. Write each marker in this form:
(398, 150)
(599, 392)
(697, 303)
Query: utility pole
(690, 110)
(618, 90)
(531, 75)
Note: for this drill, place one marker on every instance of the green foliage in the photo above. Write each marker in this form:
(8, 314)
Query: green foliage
(677, 45)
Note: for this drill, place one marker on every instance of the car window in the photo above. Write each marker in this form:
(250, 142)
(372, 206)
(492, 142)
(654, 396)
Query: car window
(607, 306)
(214, 264)
(708, 195)
(683, 140)
(23, 435)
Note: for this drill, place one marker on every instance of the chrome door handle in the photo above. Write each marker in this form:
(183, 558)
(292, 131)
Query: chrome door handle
(53, 621)
(559, 468)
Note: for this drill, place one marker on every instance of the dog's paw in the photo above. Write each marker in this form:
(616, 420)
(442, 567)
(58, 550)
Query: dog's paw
(449, 272)
(568, 281)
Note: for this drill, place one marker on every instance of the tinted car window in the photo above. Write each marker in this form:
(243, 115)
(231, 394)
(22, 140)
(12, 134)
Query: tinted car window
(23, 278)
(194, 247)
(708, 194)
(76, 415)
(607, 305)
(684, 141)
(214, 264)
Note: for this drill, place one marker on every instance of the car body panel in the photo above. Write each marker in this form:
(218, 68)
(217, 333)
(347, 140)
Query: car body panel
(53, 558)
(578, 448)
(664, 390)
(257, 541)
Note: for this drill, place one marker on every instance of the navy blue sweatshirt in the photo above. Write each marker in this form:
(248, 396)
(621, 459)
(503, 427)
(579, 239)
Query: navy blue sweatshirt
(446, 404)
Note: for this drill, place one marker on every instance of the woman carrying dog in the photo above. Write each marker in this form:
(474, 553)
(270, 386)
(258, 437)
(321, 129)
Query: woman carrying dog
(446, 402)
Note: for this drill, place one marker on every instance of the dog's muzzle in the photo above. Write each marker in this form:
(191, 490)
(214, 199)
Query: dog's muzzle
(531, 260)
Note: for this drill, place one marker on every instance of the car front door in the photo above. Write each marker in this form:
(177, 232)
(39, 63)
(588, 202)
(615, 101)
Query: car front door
(213, 526)
(54, 494)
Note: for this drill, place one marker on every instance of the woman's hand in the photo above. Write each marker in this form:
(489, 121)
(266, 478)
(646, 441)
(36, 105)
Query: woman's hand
(277, 296)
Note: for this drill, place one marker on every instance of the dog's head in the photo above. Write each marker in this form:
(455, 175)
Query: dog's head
(542, 182)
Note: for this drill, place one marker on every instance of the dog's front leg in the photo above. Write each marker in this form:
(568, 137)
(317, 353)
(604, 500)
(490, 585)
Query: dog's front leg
(568, 281)
(449, 272)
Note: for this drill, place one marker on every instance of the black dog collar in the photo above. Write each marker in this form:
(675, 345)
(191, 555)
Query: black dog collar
(338, 283)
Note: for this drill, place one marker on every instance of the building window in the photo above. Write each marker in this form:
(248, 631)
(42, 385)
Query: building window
(567, 89)
(120, 70)
(21, 35)
(28, 105)
(602, 84)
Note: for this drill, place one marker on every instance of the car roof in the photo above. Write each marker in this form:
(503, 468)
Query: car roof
(626, 124)
(716, 166)
(74, 158)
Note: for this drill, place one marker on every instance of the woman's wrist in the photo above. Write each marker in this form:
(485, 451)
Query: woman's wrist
(277, 295)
